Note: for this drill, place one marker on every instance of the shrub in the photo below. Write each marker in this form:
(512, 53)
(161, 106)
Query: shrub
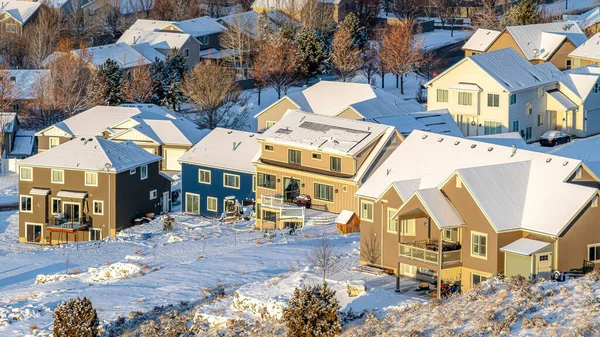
(170, 324)
(594, 275)
(76, 317)
(168, 222)
(537, 321)
(312, 311)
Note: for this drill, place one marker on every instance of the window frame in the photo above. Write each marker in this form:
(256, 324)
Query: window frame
(596, 247)
(50, 139)
(85, 178)
(261, 174)
(389, 220)
(444, 98)
(317, 195)
(331, 160)
(316, 156)
(267, 126)
(99, 202)
(512, 99)
(492, 125)
(27, 224)
(197, 196)
(495, 98)
(21, 203)
(11, 27)
(481, 278)
(361, 215)
(238, 179)
(200, 171)
(540, 120)
(132, 171)
(471, 249)
(405, 225)
(143, 172)
(528, 108)
(297, 158)
(155, 193)
(512, 126)
(215, 200)
(528, 132)
(59, 210)
(30, 169)
(465, 96)
(52, 176)
(97, 235)
(269, 148)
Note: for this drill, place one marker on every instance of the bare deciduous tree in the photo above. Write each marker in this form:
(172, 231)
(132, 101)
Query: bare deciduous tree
(446, 10)
(77, 25)
(245, 4)
(370, 62)
(370, 248)
(345, 57)
(138, 84)
(214, 8)
(324, 258)
(486, 18)
(42, 36)
(401, 51)
(277, 64)
(238, 38)
(9, 92)
(407, 9)
(42, 113)
(175, 10)
(214, 90)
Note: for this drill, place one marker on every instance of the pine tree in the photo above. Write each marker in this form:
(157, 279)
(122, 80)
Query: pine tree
(359, 34)
(311, 312)
(525, 13)
(110, 79)
(167, 76)
(310, 51)
(76, 317)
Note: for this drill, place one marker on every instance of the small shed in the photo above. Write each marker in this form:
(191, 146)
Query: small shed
(347, 222)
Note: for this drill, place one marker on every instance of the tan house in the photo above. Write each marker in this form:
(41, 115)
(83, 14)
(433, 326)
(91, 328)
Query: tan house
(15, 15)
(586, 54)
(324, 157)
(88, 189)
(301, 9)
(589, 21)
(499, 91)
(465, 210)
(152, 127)
(539, 43)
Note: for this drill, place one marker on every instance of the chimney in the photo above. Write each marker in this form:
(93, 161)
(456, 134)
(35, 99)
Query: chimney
(514, 150)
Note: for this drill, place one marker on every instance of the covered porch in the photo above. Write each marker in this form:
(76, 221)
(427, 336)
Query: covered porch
(561, 112)
(274, 213)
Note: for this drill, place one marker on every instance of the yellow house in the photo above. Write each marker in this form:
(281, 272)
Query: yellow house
(586, 54)
(539, 43)
(324, 157)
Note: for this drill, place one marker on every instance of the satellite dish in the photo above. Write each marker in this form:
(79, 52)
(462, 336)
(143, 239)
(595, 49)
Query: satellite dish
(108, 166)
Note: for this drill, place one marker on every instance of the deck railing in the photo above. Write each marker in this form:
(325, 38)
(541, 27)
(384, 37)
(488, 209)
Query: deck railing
(428, 256)
(286, 211)
(72, 223)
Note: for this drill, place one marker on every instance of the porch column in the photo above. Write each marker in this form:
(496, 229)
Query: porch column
(439, 279)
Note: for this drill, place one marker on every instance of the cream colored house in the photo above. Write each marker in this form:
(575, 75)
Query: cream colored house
(499, 92)
(587, 54)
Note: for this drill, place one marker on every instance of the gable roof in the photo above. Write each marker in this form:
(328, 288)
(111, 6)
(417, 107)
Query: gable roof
(590, 49)
(201, 26)
(586, 19)
(21, 11)
(540, 41)
(481, 40)
(92, 154)
(525, 246)
(438, 207)
(223, 148)
(157, 40)
(125, 56)
(26, 80)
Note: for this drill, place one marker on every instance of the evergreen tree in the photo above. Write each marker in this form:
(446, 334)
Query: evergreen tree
(76, 317)
(358, 33)
(167, 77)
(310, 51)
(311, 312)
(110, 83)
(157, 70)
(525, 13)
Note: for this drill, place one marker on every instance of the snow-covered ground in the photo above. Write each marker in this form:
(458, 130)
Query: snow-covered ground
(128, 274)
(569, 6)
(440, 38)
(9, 188)
(585, 149)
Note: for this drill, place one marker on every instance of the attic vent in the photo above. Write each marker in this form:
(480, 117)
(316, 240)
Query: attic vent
(229, 132)
(90, 139)
(440, 140)
(565, 163)
(490, 149)
(457, 142)
(548, 160)
(473, 146)
(424, 136)
(82, 139)
(388, 172)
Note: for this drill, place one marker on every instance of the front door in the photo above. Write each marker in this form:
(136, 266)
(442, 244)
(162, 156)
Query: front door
(291, 189)
(165, 202)
(552, 120)
(71, 211)
(544, 265)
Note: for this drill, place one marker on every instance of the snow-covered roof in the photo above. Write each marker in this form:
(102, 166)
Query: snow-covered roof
(248, 22)
(438, 121)
(540, 41)
(525, 246)
(580, 81)
(126, 7)
(344, 217)
(92, 154)
(21, 11)
(439, 208)
(227, 149)
(201, 26)
(590, 49)
(150, 25)
(325, 133)
(8, 121)
(125, 56)
(562, 99)
(24, 143)
(26, 80)
(505, 139)
(157, 40)
(515, 188)
(588, 18)
(481, 40)
(279, 4)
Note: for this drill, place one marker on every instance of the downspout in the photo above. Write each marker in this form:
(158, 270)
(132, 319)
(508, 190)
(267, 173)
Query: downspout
(439, 278)
(109, 204)
(381, 237)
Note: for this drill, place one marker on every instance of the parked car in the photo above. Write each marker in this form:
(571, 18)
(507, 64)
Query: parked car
(553, 138)
(303, 200)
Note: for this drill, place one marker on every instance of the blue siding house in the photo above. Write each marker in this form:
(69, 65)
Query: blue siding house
(218, 166)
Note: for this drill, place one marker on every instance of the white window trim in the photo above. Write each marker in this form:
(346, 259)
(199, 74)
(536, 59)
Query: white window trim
(209, 177)
(473, 233)
(362, 202)
(527, 112)
(132, 171)
(30, 173)
(96, 230)
(85, 178)
(186, 203)
(597, 245)
(94, 207)
(52, 176)
(155, 192)
(208, 199)
(389, 220)
(331, 160)
(142, 176)
(50, 139)
(404, 226)
(42, 239)
(21, 203)
(52, 205)
(239, 181)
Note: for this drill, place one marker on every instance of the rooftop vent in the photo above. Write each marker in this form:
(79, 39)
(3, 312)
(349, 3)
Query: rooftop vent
(473, 146)
(548, 160)
(424, 136)
(565, 163)
(229, 132)
(514, 150)
(490, 149)
(440, 140)
(457, 142)
(388, 171)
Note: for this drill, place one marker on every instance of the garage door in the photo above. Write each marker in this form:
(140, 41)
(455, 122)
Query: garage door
(171, 159)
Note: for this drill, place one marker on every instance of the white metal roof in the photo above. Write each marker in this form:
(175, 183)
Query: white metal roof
(92, 154)
(344, 217)
(23, 144)
(504, 139)
(39, 191)
(525, 246)
(588, 18)
(21, 11)
(540, 41)
(589, 49)
(563, 100)
(439, 208)
(201, 26)
(158, 40)
(26, 80)
(481, 40)
(224, 148)
(125, 56)
(150, 25)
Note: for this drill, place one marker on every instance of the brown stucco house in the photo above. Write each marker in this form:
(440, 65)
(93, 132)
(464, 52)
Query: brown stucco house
(464, 210)
(539, 43)
(15, 16)
(88, 188)
(152, 127)
(302, 10)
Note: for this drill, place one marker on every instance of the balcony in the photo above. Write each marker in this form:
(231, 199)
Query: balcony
(286, 211)
(68, 225)
(427, 252)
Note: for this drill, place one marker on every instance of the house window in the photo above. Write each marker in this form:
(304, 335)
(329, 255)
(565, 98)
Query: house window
(254, 183)
(528, 109)
(442, 96)
(33, 233)
(56, 206)
(569, 64)
(540, 92)
(476, 279)
(192, 203)
(26, 204)
(316, 156)
(540, 120)
(269, 216)
(392, 222)
(203, 176)
(132, 171)
(11, 28)
(294, 157)
(451, 235)
(515, 126)
(186, 52)
(366, 211)
(479, 245)
(204, 40)
(58, 176)
(231, 180)
(492, 128)
(576, 63)
(269, 148)
(153, 194)
(95, 234)
(528, 133)
(335, 164)
(26, 174)
(594, 252)
(493, 100)
(323, 192)
(211, 204)
(596, 88)
(269, 124)
(409, 227)
(99, 207)
(16, 106)
(91, 179)
(595, 201)
(143, 172)
(465, 98)
(53, 142)
(513, 99)
(267, 181)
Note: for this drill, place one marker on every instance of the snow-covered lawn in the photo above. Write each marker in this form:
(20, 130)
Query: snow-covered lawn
(9, 188)
(569, 6)
(441, 38)
(129, 274)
